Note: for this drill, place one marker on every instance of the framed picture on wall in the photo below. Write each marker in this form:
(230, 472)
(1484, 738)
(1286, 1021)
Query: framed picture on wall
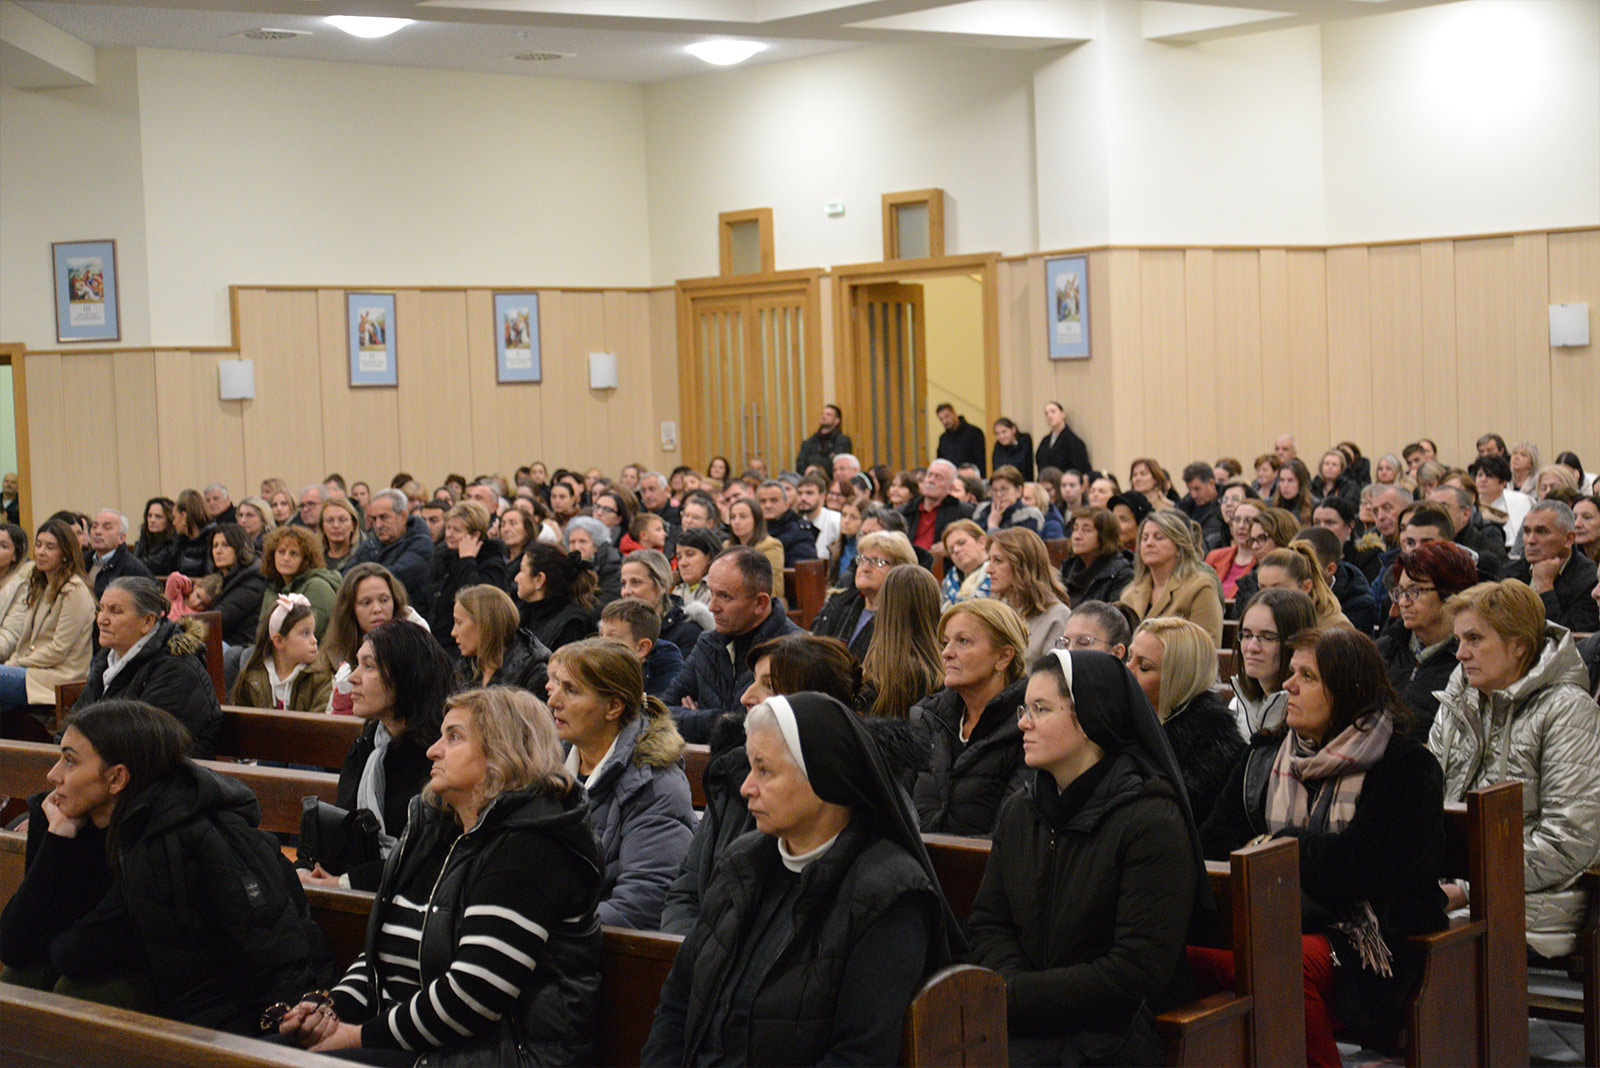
(371, 331)
(88, 307)
(1066, 287)
(516, 337)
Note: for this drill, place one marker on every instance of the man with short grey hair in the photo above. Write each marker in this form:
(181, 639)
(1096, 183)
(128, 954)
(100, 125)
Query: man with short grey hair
(108, 556)
(219, 509)
(845, 467)
(1563, 579)
(655, 493)
(400, 543)
(928, 514)
(312, 498)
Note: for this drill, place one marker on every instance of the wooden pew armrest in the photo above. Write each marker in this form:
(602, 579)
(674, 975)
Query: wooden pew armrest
(1460, 930)
(957, 1016)
(1209, 1011)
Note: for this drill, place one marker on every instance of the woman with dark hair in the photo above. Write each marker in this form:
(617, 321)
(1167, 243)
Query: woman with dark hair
(1421, 657)
(1586, 527)
(148, 884)
(1237, 559)
(484, 947)
(157, 545)
(1096, 569)
(1365, 801)
(1094, 874)
(1012, 448)
(233, 556)
(719, 469)
(191, 549)
(368, 598)
(815, 933)
(1006, 506)
(903, 489)
(53, 640)
(784, 665)
(1584, 480)
(747, 526)
(1268, 621)
(1060, 447)
(399, 686)
(495, 649)
(15, 570)
(625, 750)
(158, 661)
(285, 670)
(1150, 480)
(615, 507)
(556, 594)
(902, 665)
(1294, 493)
(292, 562)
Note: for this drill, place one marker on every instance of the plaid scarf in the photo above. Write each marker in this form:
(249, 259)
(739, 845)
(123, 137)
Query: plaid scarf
(1338, 769)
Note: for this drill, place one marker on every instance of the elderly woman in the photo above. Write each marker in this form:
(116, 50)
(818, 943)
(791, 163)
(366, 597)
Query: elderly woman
(647, 577)
(848, 613)
(814, 934)
(1365, 802)
(1095, 872)
(971, 723)
(469, 557)
(625, 751)
(966, 562)
(484, 943)
(1096, 568)
(1420, 656)
(1170, 579)
(1517, 710)
(233, 556)
(1006, 507)
(1175, 663)
(144, 656)
(1524, 459)
(495, 650)
(587, 537)
(52, 644)
(1269, 620)
(292, 562)
(1020, 575)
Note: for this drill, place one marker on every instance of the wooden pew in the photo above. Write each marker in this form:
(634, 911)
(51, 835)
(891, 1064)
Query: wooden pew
(1584, 966)
(805, 587)
(288, 737)
(695, 759)
(1059, 549)
(23, 766)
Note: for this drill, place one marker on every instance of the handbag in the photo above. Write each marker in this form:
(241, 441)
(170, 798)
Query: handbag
(338, 839)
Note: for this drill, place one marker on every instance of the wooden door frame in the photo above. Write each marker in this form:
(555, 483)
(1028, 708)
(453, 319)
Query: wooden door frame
(14, 356)
(847, 278)
(774, 283)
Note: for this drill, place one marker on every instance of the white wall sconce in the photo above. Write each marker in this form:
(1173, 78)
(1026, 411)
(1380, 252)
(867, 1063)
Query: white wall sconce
(602, 370)
(1569, 326)
(236, 379)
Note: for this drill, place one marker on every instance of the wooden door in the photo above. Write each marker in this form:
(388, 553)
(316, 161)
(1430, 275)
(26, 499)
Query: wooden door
(891, 375)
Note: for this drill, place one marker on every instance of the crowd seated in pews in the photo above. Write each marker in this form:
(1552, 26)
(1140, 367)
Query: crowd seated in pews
(792, 622)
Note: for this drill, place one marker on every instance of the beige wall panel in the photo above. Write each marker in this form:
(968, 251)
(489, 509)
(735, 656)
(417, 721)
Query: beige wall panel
(55, 484)
(91, 439)
(435, 398)
(636, 428)
(1165, 392)
(1203, 418)
(1258, 399)
(1123, 347)
(278, 331)
(1395, 276)
(1439, 383)
(1348, 399)
(1528, 364)
(1574, 372)
(137, 449)
(1083, 387)
(361, 427)
(480, 373)
(201, 437)
(558, 392)
(661, 310)
(1485, 340)
(1018, 379)
(1307, 354)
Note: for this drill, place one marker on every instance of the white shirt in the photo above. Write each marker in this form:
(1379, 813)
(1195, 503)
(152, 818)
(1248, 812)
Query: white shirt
(572, 763)
(1516, 507)
(114, 662)
(827, 524)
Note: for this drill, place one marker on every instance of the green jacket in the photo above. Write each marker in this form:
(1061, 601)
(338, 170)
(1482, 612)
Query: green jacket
(318, 585)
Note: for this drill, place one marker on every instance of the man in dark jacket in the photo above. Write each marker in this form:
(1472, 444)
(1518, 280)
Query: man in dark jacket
(716, 673)
(798, 536)
(1483, 539)
(108, 556)
(829, 441)
(1563, 579)
(961, 443)
(1202, 505)
(927, 515)
(399, 543)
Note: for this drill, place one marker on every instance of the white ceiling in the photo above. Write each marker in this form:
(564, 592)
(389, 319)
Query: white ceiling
(643, 40)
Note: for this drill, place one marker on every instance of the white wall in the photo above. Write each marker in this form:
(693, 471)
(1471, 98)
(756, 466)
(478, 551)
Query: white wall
(278, 171)
(1465, 118)
(70, 171)
(849, 126)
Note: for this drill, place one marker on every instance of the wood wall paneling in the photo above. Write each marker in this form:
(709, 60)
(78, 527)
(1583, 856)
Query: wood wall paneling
(48, 421)
(1574, 372)
(1165, 393)
(1438, 383)
(1200, 356)
(1123, 347)
(1486, 362)
(1530, 256)
(1252, 395)
(280, 331)
(1395, 302)
(1350, 383)
(1307, 354)
(135, 433)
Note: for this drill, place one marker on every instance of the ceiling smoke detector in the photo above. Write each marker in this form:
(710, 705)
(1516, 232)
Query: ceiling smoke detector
(542, 57)
(268, 34)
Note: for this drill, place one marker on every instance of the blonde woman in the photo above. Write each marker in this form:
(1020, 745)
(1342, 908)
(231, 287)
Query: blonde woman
(1175, 664)
(495, 650)
(255, 515)
(1170, 578)
(902, 663)
(1297, 568)
(848, 613)
(1020, 575)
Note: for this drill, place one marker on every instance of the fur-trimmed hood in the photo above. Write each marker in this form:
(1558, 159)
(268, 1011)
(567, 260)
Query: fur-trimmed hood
(658, 743)
(188, 637)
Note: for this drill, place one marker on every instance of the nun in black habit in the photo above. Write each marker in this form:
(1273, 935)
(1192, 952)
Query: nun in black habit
(819, 926)
(1095, 873)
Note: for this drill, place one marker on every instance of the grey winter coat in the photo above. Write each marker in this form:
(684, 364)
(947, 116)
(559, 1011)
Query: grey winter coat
(1544, 731)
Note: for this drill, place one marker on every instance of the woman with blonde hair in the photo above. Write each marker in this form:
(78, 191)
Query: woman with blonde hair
(469, 557)
(849, 613)
(1020, 575)
(902, 664)
(976, 754)
(1524, 458)
(647, 577)
(1298, 568)
(495, 650)
(255, 515)
(340, 526)
(1170, 578)
(627, 753)
(500, 971)
(1175, 664)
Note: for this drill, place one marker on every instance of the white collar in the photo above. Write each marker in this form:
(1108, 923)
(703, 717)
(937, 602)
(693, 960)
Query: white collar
(796, 862)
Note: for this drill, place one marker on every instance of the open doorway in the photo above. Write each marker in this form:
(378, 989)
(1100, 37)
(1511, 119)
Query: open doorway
(14, 435)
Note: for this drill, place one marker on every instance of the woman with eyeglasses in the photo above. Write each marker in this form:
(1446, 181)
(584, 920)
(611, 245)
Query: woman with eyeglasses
(1237, 559)
(1421, 658)
(1095, 872)
(1098, 625)
(1269, 620)
(1096, 568)
(1272, 529)
(848, 613)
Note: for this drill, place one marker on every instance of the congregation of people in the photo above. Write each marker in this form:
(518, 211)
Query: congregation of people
(1013, 646)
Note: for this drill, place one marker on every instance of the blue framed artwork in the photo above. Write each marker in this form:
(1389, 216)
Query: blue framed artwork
(87, 304)
(371, 332)
(1067, 291)
(516, 337)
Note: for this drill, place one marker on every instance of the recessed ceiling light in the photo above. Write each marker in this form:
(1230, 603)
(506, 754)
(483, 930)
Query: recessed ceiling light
(725, 53)
(368, 25)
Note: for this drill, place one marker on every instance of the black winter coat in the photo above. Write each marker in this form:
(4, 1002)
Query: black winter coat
(453, 574)
(526, 665)
(123, 564)
(1102, 580)
(839, 616)
(556, 623)
(240, 604)
(797, 536)
(158, 557)
(1205, 738)
(712, 677)
(966, 783)
(409, 558)
(1389, 855)
(1018, 454)
(948, 511)
(170, 673)
(964, 445)
(405, 773)
(1066, 452)
(724, 820)
(820, 449)
(1085, 914)
(192, 556)
(1355, 598)
(677, 627)
(1569, 603)
(608, 573)
(1417, 682)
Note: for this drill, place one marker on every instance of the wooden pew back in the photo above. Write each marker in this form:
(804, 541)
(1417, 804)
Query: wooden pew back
(288, 737)
(805, 587)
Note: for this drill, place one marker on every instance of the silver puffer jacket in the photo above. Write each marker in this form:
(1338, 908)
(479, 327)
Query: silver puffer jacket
(1543, 731)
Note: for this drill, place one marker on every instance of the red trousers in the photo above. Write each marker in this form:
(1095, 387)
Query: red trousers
(1213, 970)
